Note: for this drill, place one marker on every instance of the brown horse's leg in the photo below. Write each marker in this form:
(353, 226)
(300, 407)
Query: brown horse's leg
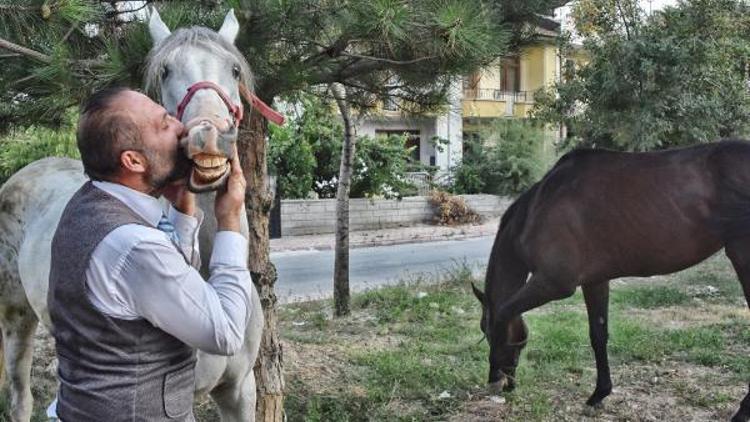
(596, 296)
(738, 252)
(539, 290)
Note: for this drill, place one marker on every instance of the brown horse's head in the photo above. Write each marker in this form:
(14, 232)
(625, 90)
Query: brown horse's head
(506, 341)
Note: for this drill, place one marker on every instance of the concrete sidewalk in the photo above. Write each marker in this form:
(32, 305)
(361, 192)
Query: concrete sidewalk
(394, 236)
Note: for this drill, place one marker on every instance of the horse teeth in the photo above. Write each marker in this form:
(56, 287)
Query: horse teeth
(211, 174)
(206, 163)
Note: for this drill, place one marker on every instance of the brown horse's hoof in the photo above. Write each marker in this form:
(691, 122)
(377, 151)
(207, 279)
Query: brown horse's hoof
(496, 388)
(599, 394)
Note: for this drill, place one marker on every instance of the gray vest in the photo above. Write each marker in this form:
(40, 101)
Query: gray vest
(110, 369)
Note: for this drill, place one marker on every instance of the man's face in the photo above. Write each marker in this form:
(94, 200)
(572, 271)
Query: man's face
(160, 133)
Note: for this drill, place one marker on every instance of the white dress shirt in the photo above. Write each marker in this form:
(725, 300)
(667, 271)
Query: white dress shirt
(137, 272)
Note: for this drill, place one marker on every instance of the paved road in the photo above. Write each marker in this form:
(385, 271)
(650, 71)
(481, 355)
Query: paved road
(309, 274)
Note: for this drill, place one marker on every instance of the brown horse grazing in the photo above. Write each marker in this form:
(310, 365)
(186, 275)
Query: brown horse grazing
(599, 215)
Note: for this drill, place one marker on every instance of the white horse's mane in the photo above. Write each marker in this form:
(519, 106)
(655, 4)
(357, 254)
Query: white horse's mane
(196, 36)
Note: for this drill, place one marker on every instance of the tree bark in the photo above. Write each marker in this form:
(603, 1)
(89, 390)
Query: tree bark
(251, 145)
(341, 255)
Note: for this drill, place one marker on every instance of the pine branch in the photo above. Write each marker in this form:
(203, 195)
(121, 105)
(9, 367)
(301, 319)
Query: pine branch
(69, 33)
(7, 45)
(16, 7)
(389, 61)
(85, 65)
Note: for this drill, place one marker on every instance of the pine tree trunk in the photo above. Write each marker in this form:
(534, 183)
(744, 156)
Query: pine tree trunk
(341, 255)
(251, 144)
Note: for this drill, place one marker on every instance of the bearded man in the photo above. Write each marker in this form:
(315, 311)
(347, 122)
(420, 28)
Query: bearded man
(127, 304)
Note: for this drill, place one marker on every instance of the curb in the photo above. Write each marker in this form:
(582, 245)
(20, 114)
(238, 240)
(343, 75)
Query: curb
(386, 242)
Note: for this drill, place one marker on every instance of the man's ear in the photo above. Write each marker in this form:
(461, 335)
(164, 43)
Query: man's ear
(133, 161)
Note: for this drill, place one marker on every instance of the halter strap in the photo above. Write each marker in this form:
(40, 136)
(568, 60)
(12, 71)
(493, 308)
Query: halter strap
(234, 109)
(263, 108)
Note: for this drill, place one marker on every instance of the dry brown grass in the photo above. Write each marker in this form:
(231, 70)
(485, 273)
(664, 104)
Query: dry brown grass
(452, 210)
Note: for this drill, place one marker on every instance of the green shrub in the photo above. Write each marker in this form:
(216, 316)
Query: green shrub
(291, 158)
(22, 146)
(505, 159)
(380, 166)
(306, 155)
(323, 130)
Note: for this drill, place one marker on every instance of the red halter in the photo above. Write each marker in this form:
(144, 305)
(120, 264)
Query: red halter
(234, 109)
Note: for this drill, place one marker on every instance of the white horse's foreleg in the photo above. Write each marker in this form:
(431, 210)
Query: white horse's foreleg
(18, 327)
(236, 401)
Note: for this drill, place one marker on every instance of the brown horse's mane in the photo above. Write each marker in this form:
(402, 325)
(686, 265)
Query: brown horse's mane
(520, 205)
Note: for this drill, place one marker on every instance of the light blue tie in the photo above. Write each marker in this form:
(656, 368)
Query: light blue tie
(167, 227)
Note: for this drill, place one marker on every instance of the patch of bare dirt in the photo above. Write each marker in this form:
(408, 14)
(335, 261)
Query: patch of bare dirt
(320, 365)
(649, 393)
(675, 317)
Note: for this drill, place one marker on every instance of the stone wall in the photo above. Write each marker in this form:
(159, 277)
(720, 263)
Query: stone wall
(301, 217)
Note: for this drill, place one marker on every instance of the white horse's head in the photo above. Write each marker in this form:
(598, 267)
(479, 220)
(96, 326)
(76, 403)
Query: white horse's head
(196, 74)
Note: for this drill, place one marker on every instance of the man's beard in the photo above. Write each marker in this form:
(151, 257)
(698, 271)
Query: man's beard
(164, 170)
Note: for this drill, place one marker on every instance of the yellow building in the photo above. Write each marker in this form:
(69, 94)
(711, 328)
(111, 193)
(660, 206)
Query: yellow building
(503, 90)
(506, 89)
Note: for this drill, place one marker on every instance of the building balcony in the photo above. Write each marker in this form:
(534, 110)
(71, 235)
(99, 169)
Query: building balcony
(496, 95)
(493, 103)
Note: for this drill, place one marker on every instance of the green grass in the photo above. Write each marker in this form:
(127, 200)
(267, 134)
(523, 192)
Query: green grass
(405, 345)
(649, 297)
(439, 350)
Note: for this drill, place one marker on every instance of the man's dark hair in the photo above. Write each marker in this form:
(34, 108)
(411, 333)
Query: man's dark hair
(104, 132)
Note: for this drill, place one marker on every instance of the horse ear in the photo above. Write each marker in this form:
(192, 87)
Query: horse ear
(158, 29)
(478, 293)
(230, 27)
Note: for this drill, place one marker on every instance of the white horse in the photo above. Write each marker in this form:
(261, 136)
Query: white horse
(32, 201)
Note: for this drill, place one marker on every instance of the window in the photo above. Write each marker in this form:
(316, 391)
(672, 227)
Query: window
(390, 103)
(510, 74)
(471, 82)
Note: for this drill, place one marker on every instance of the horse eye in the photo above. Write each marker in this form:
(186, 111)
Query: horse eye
(164, 72)
(236, 72)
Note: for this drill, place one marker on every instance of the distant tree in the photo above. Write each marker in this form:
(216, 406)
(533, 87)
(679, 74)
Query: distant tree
(677, 77)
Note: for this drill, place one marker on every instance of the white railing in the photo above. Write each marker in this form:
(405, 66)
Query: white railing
(421, 180)
(495, 95)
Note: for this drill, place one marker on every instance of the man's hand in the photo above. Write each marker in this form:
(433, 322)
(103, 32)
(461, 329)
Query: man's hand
(230, 201)
(180, 197)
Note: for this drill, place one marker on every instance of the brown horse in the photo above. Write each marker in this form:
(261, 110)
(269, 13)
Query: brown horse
(599, 215)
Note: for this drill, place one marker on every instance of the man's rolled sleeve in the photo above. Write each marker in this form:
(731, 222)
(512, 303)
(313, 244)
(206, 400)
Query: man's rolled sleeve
(230, 249)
